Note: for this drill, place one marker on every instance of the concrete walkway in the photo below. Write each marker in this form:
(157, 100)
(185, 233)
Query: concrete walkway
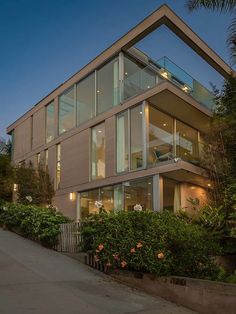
(40, 281)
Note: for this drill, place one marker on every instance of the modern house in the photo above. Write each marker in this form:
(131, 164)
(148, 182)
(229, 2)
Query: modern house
(125, 129)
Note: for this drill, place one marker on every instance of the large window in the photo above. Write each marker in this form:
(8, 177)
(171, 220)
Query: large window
(118, 197)
(130, 144)
(98, 151)
(160, 137)
(171, 195)
(138, 192)
(85, 99)
(137, 137)
(187, 142)
(67, 111)
(122, 142)
(50, 131)
(108, 86)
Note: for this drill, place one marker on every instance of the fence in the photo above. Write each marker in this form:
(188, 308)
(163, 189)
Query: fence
(69, 238)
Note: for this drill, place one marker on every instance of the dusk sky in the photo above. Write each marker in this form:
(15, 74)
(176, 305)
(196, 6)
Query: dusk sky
(44, 42)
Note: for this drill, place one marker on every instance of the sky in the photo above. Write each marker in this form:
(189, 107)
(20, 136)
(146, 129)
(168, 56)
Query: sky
(44, 42)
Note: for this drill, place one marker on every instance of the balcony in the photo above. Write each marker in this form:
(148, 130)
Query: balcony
(164, 69)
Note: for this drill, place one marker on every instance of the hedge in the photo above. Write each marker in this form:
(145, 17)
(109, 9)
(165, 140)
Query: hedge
(34, 222)
(158, 243)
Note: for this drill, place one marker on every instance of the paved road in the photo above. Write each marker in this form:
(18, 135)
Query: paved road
(40, 281)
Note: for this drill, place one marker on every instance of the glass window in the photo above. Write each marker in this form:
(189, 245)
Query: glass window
(98, 151)
(122, 144)
(160, 137)
(136, 137)
(107, 198)
(58, 167)
(50, 132)
(85, 99)
(66, 111)
(138, 192)
(87, 203)
(187, 142)
(108, 86)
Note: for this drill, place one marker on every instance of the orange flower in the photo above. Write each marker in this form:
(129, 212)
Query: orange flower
(132, 250)
(101, 247)
(123, 264)
(160, 255)
(139, 245)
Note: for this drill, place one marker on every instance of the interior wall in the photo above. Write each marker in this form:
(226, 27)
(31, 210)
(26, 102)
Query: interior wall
(189, 191)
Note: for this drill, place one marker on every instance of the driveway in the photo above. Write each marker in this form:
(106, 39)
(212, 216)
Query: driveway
(37, 280)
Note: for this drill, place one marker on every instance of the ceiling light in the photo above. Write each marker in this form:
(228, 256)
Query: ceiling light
(99, 131)
(208, 184)
(141, 112)
(164, 124)
(148, 86)
(186, 88)
(126, 73)
(164, 73)
(149, 182)
(98, 91)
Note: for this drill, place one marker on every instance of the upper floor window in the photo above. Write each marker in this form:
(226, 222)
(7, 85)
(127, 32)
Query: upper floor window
(130, 139)
(98, 152)
(50, 123)
(107, 88)
(85, 99)
(67, 111)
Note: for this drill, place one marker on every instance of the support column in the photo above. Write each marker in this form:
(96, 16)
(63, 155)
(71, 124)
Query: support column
(157, 193)
(78, 214)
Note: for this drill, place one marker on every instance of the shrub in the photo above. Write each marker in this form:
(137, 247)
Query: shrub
(158, 243)
(38, 223)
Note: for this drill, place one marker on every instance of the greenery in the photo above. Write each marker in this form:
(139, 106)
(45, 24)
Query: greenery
(158, 243)
(33, 185)
(6, 177)
(37, 223)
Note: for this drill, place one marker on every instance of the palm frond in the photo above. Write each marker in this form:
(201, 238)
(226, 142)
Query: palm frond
(231, 40)
(217, 5)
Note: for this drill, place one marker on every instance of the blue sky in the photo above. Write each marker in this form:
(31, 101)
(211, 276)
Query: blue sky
(44, 42)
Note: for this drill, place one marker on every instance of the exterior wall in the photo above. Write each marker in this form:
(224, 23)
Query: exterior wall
(38, 129)
(75, 163)
(65, 205)
(22, 139)
(192, 191)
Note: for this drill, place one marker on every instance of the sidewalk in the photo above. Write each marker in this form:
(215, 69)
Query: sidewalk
(37, 280)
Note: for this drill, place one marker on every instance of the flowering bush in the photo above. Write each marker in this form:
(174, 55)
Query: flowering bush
(159, 243)
(38, 223)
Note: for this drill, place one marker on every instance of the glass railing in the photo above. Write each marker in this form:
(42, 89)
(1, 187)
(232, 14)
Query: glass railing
(164, 69)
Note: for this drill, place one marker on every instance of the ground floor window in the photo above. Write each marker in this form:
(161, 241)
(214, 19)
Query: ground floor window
(171, 195)
(124, 196)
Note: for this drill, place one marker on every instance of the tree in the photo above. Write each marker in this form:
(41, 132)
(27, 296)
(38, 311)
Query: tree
(33, 185)
(6, 178)
(223, 6)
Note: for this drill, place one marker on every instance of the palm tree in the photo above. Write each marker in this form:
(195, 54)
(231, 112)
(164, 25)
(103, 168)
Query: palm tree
(223, 6)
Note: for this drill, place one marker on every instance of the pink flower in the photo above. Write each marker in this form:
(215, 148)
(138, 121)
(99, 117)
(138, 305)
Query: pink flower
(123, 264)
(101, 247)
(160, 255)
(139, 245)
(96, 258)
(97, 251)
(132, 250)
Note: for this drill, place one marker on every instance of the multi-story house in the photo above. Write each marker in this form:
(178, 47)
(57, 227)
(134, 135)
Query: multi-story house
(125, 129)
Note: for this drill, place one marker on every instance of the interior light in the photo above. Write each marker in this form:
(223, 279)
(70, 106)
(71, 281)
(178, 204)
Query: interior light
(164, 124)
(208, 184)
(98, 91)
(149, 193)
(141, 112)
(99, 131)
(149, 182)
(126, 73)
(14, 187)
(148, 86)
